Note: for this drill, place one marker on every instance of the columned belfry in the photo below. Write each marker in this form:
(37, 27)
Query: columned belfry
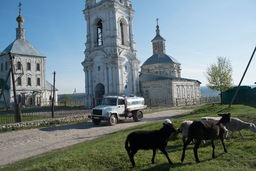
(110, 65)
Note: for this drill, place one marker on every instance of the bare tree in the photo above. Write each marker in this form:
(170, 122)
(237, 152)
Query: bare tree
(219, 75)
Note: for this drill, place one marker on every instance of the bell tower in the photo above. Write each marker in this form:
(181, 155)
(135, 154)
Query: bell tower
(110, 64)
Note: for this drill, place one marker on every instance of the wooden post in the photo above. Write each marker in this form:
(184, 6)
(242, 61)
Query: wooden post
(17, 112)
(53, 94)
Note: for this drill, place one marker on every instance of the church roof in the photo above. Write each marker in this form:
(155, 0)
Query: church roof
(160, 58)
(144, 77)
(157, 38)
(22, 47)
(49, 86)
(159, 54)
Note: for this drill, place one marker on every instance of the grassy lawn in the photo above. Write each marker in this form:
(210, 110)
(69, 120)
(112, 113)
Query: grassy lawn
(108, 153)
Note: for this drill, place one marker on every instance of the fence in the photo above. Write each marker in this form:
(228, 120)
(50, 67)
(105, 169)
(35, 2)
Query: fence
(8, 116)
(181, 102)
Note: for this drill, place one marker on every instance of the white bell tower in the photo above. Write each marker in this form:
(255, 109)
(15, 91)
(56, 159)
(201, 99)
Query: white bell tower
(110, 65)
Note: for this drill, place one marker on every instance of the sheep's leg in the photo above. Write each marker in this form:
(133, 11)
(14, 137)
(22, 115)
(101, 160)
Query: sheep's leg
(213, 149)
(153, 157)
(184, 139)
(223, 144)
(131, 156)
(226, 136)
(241, 134)
(166, 155)
(198, 142)
(184, 148)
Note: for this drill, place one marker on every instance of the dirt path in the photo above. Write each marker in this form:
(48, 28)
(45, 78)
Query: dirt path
(22, 144)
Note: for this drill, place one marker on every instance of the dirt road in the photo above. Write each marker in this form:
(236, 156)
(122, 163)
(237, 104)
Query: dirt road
(18, 145)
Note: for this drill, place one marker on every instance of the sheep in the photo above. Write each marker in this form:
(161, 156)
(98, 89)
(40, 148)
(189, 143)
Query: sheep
(206, 130)
(183, 129)
(235, 124)
(146, 140)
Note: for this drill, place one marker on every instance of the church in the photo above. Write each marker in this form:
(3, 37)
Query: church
(112, 68)
(28, 66)
(110, 65)
(160, 79)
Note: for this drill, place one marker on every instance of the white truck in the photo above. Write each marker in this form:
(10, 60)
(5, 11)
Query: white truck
(115, 108)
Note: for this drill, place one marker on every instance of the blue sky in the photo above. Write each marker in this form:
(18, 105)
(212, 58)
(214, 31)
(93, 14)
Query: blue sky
(196, 33)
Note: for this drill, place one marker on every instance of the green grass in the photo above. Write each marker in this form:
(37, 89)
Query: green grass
(108, 153)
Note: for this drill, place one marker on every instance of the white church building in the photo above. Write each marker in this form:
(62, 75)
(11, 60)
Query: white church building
(110, 65)
(29, 67)
(112, 68)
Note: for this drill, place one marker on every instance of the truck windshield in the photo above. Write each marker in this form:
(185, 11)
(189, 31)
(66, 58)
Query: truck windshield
(109, 101)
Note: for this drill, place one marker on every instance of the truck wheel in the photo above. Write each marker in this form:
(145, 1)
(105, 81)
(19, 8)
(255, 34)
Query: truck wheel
(112, 120)
(137, 116)
(96, 121)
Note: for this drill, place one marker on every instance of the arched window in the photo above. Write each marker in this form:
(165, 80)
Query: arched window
(19, 81)
(99, 33)
(28, 66)
(122, 32)
(18, 65)
(178, 92)
(38, 67)
(29, 81)
(38, 81)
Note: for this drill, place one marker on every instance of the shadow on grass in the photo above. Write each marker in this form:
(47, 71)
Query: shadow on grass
(167, 167)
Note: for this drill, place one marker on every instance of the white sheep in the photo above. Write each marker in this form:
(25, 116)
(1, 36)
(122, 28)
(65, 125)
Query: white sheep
(235, 124)
(183, 129)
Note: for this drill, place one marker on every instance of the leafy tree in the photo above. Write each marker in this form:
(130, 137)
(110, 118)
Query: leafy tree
(64, 99)
(219, 75)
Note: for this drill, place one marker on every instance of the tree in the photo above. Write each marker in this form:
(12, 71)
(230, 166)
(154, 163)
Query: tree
(219, 76)
(65, 99)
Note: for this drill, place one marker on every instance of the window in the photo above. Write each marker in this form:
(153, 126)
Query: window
(98, 68)
(28, 66)
(38, 81)
(178, 92)
(19, 81)
(19, 65)
(2, 66)
(188, 91)
(38, 67)
(29, 81)
(183, 92)
(120, 101)
(99, 33)
(122, 32)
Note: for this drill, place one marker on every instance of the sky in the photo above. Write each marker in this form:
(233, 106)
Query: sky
(196, 33)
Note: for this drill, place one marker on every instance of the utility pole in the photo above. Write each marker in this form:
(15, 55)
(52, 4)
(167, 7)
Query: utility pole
(242, 77)
(53, 94)
(17, 112)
